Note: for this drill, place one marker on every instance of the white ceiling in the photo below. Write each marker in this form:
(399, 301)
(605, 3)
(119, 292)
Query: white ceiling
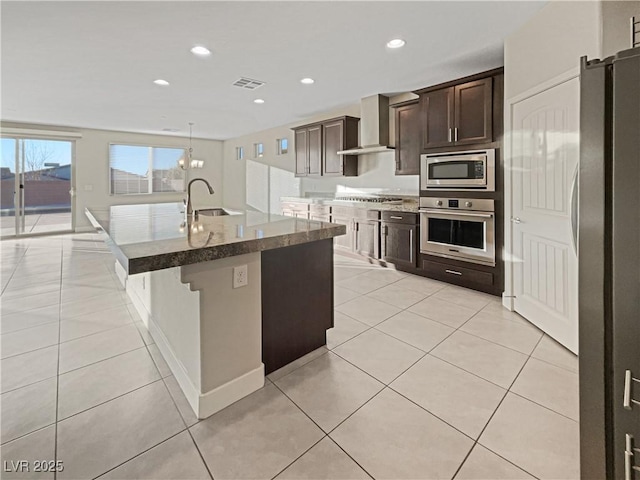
(91, 64)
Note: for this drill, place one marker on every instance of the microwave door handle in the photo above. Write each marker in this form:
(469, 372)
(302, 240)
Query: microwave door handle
(459, 214)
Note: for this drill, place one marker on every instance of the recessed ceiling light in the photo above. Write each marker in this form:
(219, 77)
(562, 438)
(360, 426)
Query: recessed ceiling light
(200, 51)
(258, 100)
(396, 43)
(307, 81)
(162, 82)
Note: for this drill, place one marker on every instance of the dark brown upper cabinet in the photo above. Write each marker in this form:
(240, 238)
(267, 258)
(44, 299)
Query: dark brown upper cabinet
(458, 115)
(308, 150)
(317, 147)
(408, 146)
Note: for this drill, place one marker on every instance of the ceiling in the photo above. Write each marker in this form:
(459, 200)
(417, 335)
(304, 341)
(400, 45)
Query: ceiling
(92, 64)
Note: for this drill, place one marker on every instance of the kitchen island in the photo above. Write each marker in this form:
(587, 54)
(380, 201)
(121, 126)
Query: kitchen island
(227, 298)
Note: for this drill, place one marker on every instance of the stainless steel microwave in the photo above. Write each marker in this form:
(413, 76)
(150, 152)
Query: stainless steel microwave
(472, 170)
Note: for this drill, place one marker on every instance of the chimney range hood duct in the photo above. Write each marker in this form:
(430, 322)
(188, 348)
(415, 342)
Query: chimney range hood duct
(374, 126)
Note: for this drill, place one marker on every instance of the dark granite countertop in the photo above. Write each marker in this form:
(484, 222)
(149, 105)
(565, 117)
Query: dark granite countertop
(154, 236)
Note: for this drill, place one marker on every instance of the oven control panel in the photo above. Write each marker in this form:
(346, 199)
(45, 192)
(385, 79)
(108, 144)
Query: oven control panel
(481, 204)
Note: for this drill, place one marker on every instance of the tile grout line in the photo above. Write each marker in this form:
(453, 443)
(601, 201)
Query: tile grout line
(55, 437)
(206, 465)
(477, 441)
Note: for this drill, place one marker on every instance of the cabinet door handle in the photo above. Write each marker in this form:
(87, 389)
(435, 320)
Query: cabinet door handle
(453, 272)
(449, 135)
(455, 134)
(395, 217)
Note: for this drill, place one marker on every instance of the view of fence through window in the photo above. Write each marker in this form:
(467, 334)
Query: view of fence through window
(140, 169)
(35, 185)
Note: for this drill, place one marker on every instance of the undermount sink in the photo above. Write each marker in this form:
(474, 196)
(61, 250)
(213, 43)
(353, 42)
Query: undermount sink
(215, 212)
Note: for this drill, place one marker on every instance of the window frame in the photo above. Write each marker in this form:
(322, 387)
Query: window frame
(150, 166)
(240, 153)
(258, 150)
(279, 149)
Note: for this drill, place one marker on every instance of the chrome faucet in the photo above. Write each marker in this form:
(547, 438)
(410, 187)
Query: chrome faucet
(189, 208)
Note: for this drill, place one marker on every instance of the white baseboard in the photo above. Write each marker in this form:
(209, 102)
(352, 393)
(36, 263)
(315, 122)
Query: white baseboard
(206, 404)
(86, 229)
(507, 302)
(139, 305)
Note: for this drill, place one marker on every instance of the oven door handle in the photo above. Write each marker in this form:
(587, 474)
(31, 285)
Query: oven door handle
(459, 214)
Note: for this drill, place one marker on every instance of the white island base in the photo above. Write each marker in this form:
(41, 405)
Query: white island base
(208, 332)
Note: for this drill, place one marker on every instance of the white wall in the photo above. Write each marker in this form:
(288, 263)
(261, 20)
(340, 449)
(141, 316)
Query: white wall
(551, 43)
(259, 183)
(91, 168)
(615, 17)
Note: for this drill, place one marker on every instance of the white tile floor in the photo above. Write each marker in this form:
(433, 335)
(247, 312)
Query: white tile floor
(419, 380)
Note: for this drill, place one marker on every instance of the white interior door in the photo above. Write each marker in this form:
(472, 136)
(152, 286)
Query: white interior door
(545, 153)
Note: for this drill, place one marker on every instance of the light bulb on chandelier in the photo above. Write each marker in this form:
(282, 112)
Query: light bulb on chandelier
(190, 161)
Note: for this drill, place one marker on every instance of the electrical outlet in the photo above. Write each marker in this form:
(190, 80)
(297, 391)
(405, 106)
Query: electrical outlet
(240, 276)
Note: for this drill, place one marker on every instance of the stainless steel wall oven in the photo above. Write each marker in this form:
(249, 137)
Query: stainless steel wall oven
(458, 228)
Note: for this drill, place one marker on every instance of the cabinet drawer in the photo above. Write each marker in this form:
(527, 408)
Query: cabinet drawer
(319, 209)
(460, 274)
(296, 207)
(400, 217)
(363, 214)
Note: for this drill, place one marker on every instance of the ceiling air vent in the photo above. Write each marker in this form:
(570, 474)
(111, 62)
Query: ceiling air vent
(248, 83)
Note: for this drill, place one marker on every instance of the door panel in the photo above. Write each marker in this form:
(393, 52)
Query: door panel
(408, 139)
(302, 159)
(437, 113)
(314, 139)
(473, 112)
(332, 143)
(545, 158)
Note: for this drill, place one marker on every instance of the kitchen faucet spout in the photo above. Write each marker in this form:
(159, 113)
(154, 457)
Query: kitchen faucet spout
(189, 208)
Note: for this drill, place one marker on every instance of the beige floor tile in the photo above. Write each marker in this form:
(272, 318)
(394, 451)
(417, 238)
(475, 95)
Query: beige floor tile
(287, 369)
(484, 465)
(102, 438)
(368, 310)
(28, 290)
(392, 438)
(100, 346)
(256, 437)
(495, 308)
(499, 365)
(21, 280)
(550, 386)
(552, 352)
(94, 384)
(32, 318)
(29, 368)
(87, 306)
(369, 281)
(325, 461)
(397, 296)
(344, 272)
(540, 441)
(30, 339)
(28, 408)
(415, 330)
(96, 322)
(465, 297)
(161, 363)
(342, 295)
(329, 389)
(344, 328)
(379, 355)
(442, 311)
(74, 293)
(181, 401)
(423, 285)
(23, 304)
(175, 458)
(38, 445)
(451, 394)
(507, 333)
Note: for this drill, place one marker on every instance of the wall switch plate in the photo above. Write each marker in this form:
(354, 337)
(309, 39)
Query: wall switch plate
(240, 276)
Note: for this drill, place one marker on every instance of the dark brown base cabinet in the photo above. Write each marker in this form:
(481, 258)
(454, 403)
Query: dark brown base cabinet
(399, 238)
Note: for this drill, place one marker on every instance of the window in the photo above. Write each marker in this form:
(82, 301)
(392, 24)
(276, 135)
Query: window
(282, 146)
(239, 153)
(258, 150)
(138, 169)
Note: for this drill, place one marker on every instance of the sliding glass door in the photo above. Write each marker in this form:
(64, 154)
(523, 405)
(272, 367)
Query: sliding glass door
(36, 187)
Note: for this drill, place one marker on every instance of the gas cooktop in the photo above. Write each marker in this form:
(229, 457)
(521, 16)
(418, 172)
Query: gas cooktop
(370, 199)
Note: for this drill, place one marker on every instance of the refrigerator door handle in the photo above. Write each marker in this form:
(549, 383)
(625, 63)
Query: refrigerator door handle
(574, 211)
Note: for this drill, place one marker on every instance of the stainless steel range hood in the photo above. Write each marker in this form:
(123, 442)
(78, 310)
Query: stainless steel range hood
(374, 126)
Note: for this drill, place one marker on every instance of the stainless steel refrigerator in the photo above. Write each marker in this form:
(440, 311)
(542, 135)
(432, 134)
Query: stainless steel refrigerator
(609, 267)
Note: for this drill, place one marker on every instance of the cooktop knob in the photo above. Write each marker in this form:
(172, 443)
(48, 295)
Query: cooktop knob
(468, 204)
(439, 203)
